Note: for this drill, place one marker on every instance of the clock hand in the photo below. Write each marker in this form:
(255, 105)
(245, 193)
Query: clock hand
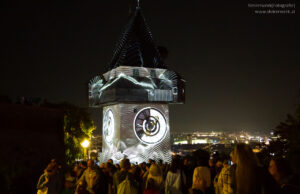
(156, 120)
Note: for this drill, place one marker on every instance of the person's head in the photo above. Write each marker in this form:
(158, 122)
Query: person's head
(219, 164)
(243, 155)
(51, 169)
(110, 161)
(155, 170)
(246, 164)
(107, 167)
(83, 164)
(90, 163)
(202, 161)
(147, 166)
(156, 175)
(186, 162)
(211, 163)
(140, 165)
(225, 163)
(273, 168)
(125, 164)
(54, 161)
(279, 168)
(132, 169)
(102, 165)
(117, 166)
(76, 168)
(175, 165)
(160, 162)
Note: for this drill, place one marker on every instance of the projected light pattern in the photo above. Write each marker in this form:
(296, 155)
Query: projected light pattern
(108, 126)
(155, 143)
(158, 85)
(95, 86)
(150, 126)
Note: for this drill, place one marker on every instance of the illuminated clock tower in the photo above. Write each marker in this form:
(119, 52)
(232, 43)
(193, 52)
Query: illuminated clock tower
(135, 94)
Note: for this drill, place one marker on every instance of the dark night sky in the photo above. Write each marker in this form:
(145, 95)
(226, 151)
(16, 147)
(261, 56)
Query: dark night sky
(242, 69)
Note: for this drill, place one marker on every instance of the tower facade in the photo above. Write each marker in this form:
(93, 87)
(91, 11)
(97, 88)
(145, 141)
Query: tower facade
(135, 93)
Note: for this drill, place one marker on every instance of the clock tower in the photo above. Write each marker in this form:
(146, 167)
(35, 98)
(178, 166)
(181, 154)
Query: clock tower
(135, 94)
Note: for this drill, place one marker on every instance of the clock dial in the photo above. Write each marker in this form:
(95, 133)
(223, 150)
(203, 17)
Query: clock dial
(150, 125)
(108, 126)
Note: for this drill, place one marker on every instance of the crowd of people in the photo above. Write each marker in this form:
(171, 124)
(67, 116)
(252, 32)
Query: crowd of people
(242, 173)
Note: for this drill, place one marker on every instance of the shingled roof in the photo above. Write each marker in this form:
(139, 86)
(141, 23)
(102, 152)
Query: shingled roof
(136, 46)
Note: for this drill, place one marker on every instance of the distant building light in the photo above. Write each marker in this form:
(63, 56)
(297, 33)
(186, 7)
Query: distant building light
(199, 141)
(181, 142)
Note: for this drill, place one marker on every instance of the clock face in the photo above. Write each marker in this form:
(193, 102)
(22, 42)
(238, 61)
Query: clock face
(150, 125)
(108, 126)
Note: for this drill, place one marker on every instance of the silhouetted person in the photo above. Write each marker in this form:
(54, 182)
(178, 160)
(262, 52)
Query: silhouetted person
(282, 174)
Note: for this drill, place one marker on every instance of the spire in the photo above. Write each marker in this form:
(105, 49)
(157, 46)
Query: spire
(136, 46)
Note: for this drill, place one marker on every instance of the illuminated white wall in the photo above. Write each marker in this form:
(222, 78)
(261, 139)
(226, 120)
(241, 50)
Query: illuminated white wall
(126, 132)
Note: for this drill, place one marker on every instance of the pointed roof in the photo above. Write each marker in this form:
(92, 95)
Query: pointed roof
(136, 46)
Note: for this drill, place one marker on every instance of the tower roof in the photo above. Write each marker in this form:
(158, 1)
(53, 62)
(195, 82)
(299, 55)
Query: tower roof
(136, 46)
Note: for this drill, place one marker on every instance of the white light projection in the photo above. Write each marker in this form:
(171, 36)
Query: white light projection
(108, 126)
(163, 81)
(139, 132)
(150, 125)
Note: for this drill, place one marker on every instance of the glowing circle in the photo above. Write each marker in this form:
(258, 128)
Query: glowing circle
(108, 126)
(85, 143)
(150, 125)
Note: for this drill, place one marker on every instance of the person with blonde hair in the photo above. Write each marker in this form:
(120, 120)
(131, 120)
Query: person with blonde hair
(201, 177)
(247, 176)
(154, 181)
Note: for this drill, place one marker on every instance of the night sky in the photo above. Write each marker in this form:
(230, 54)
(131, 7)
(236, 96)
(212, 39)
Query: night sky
(241, 69)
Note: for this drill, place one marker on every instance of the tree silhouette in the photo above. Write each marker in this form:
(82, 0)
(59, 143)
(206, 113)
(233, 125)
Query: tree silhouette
(288, 141)
(78, 125)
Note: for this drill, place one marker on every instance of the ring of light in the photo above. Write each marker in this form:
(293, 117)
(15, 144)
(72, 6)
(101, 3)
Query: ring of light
(108, 126)
(154, 128)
